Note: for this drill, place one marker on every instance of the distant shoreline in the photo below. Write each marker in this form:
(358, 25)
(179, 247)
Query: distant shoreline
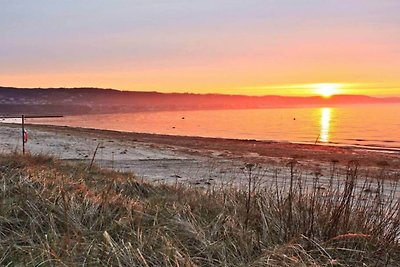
(96, 100)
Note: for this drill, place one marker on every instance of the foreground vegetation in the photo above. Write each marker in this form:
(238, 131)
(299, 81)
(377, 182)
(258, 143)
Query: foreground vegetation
(54, 213)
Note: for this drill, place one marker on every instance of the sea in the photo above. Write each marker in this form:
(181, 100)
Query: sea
(364, 126)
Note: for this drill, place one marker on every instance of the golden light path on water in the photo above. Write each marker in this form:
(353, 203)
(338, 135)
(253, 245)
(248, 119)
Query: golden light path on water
(325, 124)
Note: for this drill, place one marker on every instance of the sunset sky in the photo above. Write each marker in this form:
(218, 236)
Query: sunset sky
(250, 47)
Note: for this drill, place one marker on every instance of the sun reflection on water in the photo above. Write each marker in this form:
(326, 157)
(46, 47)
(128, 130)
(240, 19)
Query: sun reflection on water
(325, 124)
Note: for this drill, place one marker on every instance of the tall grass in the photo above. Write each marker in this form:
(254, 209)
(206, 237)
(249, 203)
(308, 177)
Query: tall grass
(58, 214)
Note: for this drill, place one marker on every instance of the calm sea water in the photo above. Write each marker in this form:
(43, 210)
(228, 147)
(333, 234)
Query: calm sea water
(371, 126)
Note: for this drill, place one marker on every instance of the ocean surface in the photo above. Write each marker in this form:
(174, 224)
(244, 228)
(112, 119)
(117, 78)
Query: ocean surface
(372, 126)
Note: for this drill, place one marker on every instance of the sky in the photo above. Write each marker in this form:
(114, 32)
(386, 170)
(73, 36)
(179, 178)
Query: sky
(266, 47)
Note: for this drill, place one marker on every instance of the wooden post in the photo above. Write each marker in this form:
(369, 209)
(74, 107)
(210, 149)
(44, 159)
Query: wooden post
(23, 134)
(23, 117)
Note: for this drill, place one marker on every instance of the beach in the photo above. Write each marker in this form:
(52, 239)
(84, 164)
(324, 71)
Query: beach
(193, 161)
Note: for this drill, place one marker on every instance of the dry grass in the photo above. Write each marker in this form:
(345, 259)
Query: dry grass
(57, 214)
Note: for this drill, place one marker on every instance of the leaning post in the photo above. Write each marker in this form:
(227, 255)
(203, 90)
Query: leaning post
(23, 134)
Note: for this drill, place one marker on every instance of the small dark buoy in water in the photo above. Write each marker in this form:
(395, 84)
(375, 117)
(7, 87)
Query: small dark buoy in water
(294, 119)
(183, 118)
(173, 127)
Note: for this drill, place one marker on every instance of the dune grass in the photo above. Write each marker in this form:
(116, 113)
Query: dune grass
(54, 213)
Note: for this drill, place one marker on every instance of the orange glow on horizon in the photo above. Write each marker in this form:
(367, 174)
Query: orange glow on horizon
(204, 47)
(172, 84)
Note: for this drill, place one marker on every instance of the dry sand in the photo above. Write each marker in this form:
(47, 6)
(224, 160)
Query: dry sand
(191, 160)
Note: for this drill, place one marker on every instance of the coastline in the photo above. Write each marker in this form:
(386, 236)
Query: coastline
(246, 148)
(255, 150)
(208, 163)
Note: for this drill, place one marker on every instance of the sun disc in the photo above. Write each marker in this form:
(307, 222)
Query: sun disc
(327, 90)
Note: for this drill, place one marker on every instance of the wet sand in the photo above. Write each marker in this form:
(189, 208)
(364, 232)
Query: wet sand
(190, 160)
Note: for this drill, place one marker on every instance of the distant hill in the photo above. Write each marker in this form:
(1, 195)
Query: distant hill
(97, 100)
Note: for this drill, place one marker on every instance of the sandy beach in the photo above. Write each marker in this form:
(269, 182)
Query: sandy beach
(191, 160)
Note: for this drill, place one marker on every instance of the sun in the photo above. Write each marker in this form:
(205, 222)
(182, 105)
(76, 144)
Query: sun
(327, 90)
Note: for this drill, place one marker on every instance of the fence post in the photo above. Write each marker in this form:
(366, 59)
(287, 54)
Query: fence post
(23, 134)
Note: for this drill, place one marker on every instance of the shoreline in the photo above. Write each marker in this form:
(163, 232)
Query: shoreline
(203, 162)
(250, 149)
(371, 147)
(373, 141)
(309, 150)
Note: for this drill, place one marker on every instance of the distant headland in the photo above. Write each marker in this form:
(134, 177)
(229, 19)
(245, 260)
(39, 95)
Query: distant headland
(88, 100)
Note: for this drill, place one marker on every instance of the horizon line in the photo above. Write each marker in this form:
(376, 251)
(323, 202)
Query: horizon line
(200, 94)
